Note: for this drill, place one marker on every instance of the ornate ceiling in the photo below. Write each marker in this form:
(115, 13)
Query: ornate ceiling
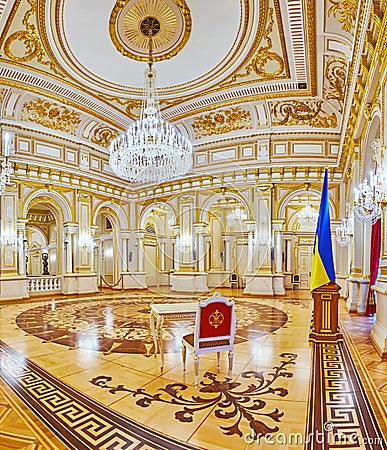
(226, 68)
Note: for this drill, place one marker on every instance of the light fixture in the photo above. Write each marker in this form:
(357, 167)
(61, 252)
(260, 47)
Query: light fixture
(344, 232)
(152, 150)
(262, 237)
(308, 216)
(236, 216)
(184, 242)
(370, 195)
(6, 165)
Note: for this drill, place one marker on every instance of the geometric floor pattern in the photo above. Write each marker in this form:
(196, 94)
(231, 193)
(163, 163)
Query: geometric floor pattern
(90, 382)
(340, 414)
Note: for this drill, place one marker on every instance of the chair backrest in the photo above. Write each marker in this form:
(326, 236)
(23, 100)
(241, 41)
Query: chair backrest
(234, 277)
(215, 324)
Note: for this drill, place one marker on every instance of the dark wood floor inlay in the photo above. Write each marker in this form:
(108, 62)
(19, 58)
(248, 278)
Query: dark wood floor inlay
(234, 401)
(79, 421)
(340, 414)
(121, 325)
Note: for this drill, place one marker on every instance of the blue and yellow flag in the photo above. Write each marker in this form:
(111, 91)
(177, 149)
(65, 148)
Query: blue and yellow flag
(323, 269)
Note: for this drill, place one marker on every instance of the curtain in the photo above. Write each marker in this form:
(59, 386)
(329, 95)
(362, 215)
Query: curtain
(374, 265)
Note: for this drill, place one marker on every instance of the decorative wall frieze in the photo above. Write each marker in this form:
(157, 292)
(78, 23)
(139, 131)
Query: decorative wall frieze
(345, 11)
(335, 75)
(103, 135)
(51, 115)
(222, 121)
(308, 112)
(23, 46)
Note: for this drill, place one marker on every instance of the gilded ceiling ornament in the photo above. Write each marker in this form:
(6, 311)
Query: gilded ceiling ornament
(295, 112)
(169, 22)
(335, 76)
(261, 64)
(27, 43)
(221, 122)
(51, 115)
(103, 136)
(347, 10)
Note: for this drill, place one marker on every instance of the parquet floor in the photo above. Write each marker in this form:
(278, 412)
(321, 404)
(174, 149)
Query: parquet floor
(84, 368)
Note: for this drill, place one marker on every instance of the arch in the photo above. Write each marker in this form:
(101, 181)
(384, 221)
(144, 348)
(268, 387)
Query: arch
(148, 209)
(288, 198)
(372, 132)
(52, 198)
(114, 212)
(212, 200)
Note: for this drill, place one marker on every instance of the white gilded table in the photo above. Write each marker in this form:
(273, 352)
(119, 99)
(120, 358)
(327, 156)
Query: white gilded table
(168, 311)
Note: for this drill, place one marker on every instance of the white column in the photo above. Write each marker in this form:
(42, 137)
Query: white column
(250, 225)
(70, 229)
(199, 230)
(278, 226)
(177, 252)
(227, 252)
(21, 239)
(140, 250)
(162, 241)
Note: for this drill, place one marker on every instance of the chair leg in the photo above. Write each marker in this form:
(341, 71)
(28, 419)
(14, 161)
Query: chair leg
(184, 353)
(230, 362)
(218, 355)
(196, 371)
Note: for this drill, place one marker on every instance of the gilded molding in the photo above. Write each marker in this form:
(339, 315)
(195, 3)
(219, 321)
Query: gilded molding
(263, 56)
(335, 76)
(103, 135)
(222, 121)
(125, 21)
(30, 40)
(346, 10)
(310, 112)
(51, 115)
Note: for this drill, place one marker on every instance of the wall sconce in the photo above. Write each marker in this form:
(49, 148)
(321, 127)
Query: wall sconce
(86, 241)
(6, 166)
(184, 242)
(8, 238)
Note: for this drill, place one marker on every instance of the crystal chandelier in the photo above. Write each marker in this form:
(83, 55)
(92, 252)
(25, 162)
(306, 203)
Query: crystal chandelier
(152, 150)
(236, 216)
(308, 216)
(344, 232)
(370, 195)
(6, 165)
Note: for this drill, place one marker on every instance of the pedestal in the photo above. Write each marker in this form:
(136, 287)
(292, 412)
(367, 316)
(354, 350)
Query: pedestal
(259, 284)
(357, 294)
(79, 283)
(326, 314)
(218, 278)
(13, 288)
(133, 280)
(379, 330)
(279, 284)
(189, 282)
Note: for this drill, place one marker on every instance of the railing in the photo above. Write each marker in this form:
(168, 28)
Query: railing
(44, 284)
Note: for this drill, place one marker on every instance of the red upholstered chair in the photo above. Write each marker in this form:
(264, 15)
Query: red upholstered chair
(214, 331)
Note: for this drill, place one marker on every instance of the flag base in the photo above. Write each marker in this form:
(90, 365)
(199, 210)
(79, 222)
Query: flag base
(325, 314)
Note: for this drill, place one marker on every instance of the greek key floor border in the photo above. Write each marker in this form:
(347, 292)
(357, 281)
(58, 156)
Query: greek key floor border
(340, 414)
(80, 422)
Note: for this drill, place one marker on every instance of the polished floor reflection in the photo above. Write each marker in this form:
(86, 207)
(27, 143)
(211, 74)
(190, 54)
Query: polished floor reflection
(87, 371)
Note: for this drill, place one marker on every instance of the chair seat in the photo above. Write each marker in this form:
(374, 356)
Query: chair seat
(190, 340)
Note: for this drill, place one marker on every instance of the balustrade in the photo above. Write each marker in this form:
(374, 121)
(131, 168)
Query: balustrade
(44, 284)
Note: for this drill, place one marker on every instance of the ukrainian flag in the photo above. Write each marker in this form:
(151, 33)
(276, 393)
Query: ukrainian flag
(323, 269)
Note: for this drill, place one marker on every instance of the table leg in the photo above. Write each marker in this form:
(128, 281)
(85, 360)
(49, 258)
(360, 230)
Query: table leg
(153, 329)
(159, 329)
